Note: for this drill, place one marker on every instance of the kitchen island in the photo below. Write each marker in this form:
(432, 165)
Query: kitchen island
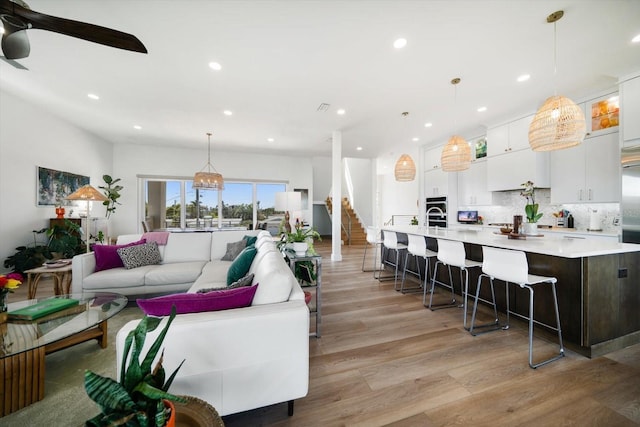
(598, 283)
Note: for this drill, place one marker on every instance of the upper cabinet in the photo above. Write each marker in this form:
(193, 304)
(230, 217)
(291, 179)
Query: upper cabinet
(436, 181)
(630, 110)
(510, 159)
(472, 185)
(588, 173)
(432, 158)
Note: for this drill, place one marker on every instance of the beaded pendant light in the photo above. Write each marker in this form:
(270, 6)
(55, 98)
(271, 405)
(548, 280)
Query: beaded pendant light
(208, 180)
(456, 154)
(405, 169)
(559, 123)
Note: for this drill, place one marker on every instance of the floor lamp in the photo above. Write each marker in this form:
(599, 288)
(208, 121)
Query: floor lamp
(88, 194)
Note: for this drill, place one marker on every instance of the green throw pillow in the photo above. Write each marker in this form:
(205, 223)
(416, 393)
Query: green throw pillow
(251, 240)
(240, 266)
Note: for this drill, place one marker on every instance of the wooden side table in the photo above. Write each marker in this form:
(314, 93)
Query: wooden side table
(61, 279)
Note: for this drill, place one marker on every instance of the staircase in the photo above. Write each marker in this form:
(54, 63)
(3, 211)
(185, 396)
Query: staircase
(349, 220)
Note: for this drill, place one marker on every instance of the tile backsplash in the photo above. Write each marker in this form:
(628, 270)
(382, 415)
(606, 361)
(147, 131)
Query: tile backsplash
(510, 203)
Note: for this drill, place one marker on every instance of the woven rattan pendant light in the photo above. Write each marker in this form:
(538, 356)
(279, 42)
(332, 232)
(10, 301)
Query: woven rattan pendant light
(456, 154)
(208, 180)
(405, 169)
(559, 123)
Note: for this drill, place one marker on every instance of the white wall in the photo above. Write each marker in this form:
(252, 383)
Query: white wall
(132, 160)
(31, 137)
(396, 198)
(321, 178)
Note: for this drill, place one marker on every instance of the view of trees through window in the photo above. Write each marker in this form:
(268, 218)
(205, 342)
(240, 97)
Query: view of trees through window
(176, 204)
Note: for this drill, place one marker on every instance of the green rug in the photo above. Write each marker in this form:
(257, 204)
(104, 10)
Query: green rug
(65, 402)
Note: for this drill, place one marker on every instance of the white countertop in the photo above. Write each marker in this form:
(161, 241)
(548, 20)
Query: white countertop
(554, 245)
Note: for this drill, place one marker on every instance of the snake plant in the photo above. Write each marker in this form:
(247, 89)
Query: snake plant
(137, 400)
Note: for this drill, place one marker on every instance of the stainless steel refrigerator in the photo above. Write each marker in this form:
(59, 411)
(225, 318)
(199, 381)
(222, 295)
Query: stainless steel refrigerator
(630, 206)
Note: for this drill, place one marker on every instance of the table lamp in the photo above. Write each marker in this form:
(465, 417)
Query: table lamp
(88, 194)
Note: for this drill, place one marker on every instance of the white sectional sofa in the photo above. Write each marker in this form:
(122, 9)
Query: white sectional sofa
(237, 359)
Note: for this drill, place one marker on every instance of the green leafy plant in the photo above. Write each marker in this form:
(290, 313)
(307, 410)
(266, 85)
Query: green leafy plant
(414, 221)
(531, 208)
(302, 234)
(65, 239)
(112, 191)
(137, 399)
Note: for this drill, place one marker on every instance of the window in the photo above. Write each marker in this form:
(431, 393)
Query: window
(174, 203)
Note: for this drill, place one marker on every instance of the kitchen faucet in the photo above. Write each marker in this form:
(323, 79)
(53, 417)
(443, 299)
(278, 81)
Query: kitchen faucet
(435, 208)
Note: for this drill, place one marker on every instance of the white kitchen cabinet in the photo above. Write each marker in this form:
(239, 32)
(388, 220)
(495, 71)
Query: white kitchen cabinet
(509, 171)
(509, 137)
(630, 109)
(588, 173)
(433, 158)
(436, 182)
(472, 185)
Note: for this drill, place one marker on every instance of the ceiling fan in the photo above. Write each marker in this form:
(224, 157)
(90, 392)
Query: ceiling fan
(17, 17)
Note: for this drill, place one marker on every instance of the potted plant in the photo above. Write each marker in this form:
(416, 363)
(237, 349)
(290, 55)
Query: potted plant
(112, 191)
(302, 239)
(530, 209)
(140, 397)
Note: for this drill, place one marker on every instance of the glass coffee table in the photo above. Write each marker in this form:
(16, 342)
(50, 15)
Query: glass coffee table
(24, 343)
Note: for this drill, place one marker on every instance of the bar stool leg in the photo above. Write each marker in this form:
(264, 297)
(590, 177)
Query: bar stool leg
(561, 353)
(496, 324)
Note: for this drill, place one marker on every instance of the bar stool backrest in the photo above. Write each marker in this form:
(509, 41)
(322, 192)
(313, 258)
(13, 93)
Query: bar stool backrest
(417, 245)
(503, 264)
(451, 252)
(390, 239)
(373, 235)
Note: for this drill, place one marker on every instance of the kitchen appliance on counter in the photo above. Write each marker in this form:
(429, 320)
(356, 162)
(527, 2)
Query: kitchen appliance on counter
(468, 217)
(630, 206)
(436, 212)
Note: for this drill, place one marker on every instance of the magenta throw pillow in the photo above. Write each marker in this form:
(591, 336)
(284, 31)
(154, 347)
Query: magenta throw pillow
(223, 299)
(107, 255)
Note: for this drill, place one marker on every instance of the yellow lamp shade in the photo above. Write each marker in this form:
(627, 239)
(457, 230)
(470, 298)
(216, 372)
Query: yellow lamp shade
(557, 125)
(405, 168)
(456, 155)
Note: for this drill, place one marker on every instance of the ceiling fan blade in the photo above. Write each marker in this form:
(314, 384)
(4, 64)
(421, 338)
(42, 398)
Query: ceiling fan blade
(15, 43)
(81, 30)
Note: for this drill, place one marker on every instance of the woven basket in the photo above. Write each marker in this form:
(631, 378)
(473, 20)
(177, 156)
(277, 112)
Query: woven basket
(456, 155)
(557, 125)
(196, 413)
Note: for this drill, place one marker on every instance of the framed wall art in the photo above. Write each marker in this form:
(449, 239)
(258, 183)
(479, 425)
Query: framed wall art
(53, 186)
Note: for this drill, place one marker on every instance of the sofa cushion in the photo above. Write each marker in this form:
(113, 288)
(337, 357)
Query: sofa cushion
(234, 249)
(177, 272)
(185, 247)
(116, 278)
(240, 266)
(196, 302)
(251, 240)
(244, 281)
(107, 255)
(275, 278)
(140, 255)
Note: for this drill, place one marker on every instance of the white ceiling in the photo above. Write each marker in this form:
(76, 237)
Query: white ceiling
(282, 59)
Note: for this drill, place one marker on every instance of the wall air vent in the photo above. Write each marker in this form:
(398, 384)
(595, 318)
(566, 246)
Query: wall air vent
(323, 107)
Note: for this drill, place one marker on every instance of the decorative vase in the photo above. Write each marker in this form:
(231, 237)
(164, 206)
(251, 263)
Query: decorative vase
(60, 213)
(530, 228)
(171, 421)
(3, 307)
(300, 248)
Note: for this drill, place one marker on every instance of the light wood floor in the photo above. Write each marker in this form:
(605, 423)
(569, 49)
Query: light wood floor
(383, 359)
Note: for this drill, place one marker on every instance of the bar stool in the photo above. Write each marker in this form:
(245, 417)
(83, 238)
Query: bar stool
(417, 247)
(373, 238)
(452, 253)
(390, 243)
(511, 267)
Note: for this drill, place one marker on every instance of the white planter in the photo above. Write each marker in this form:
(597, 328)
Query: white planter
(300, 248)
(530, 228)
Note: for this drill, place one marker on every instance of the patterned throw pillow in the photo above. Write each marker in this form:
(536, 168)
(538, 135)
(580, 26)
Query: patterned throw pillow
(240, 283)
(139, 255)
(234, 249)
(107, 255)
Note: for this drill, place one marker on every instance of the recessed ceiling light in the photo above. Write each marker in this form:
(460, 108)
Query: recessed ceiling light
(636, 39)
(270, 139)
(341, 111)
(228, 112)
(359, 148)
(482, 109)
(215, 66)
(93, 96)
(400, 43)
(415, 139)
(428, 124)
(523, 78)
(137, 127)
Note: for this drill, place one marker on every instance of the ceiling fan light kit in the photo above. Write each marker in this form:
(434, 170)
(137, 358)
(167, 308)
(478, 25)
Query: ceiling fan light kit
(208, 180)
(17, 17)
(559, 123)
